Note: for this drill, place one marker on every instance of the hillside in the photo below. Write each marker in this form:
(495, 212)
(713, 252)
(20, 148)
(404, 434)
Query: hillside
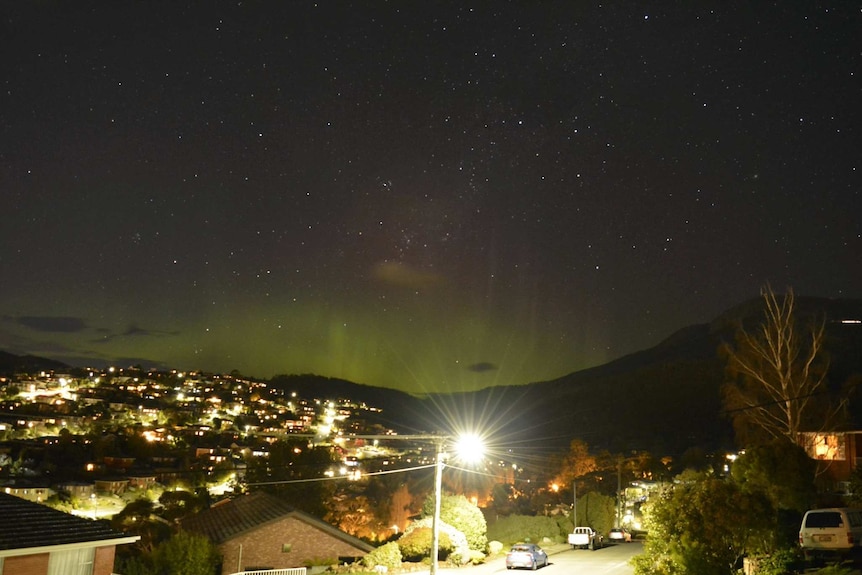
(11, 364)
(665, 399)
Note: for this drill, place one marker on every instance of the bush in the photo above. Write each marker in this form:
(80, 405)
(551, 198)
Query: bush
(837, 570)
(466, 556)
(416, 545)
(494, 548)
(388, 555)
(457, 511)
(476, 557)
(779, 562)
(186, 554)
(135, 566)
(517, 528)
(320, 562)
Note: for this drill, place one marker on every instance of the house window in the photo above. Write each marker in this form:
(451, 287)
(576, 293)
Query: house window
(72, 562)
(825, 446)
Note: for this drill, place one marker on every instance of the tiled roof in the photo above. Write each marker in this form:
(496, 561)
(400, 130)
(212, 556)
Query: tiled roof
(27, 525)
(226, 520)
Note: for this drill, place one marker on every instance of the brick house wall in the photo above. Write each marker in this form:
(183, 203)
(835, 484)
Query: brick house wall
(37, 564)
(103, 563)
(26, 564)
(267, 547)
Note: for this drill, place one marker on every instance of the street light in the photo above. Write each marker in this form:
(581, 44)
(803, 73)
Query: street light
(468, 448)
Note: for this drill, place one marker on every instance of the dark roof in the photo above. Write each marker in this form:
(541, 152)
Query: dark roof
(27, 525)
(228, 519)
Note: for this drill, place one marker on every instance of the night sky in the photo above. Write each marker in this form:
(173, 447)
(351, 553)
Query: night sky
(432, 196)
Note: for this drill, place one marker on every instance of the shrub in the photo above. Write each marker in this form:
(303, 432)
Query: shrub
(516, 528)
(476, 557)
(319, 562)
(494, 548)
(457, 511)
(470, 556)
(136, 566)
(837, 570)
(416, 544)
(388, 555)
(186, 554)
(779, 562)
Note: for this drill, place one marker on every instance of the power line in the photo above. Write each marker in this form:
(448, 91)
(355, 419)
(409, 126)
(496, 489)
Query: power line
(363, 475)
(773, 402)
(310, 480)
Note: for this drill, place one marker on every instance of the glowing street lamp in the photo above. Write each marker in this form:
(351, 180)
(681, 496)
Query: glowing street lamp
(468, 448)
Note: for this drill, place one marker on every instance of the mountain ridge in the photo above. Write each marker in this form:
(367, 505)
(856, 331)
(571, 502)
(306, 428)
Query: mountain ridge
(664, 399)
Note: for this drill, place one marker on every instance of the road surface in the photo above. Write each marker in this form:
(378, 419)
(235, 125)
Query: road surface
(610, 560)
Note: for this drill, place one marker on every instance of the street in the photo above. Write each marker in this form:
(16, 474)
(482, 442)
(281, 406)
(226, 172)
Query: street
(611, 560)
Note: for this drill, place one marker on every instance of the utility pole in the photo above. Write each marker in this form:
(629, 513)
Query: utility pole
(435, 522)
(619, 491)
(574, 504)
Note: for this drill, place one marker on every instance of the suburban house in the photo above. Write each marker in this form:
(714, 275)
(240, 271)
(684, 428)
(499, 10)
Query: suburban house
(38, 540)
(837, 453)
(261, 532)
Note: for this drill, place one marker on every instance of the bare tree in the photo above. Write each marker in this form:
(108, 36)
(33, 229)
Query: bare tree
(778, 374)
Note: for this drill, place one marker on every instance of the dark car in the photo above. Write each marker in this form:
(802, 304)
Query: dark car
(527, 555)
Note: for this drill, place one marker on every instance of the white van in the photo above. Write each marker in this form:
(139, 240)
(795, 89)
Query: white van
(837, 530)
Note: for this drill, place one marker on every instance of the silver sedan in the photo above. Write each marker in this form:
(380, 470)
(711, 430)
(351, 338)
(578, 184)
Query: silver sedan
(527, 555)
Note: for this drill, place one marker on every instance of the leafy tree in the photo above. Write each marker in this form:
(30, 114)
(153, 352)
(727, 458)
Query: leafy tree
(179, 503)
(186, 554)
(351, 513)
(138, 517)
(777, 374)
(399, 505)
(694, 459)
(644, 465)
(577, 462)
(597, 511)
(502, 496)
(704, 527)
(461, 514)
(781, 470)
(285, 474)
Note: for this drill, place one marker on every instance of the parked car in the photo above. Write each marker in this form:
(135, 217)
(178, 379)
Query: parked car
(832, 531)
(620, 535)
(527, 555)
(586, 538)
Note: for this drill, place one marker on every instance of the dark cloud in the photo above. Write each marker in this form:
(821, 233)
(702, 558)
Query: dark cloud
(482, 366)
(133, 331)
(60, 324)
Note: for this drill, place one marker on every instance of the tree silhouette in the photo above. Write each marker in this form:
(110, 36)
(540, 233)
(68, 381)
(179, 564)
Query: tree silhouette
(778, 375)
